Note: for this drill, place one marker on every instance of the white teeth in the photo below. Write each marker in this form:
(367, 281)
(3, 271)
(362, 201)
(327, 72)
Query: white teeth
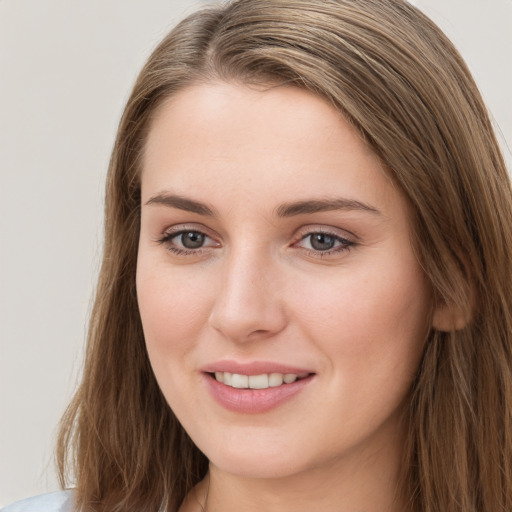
(262, 381)
(258, 381)
(240, 381)
(275, 379)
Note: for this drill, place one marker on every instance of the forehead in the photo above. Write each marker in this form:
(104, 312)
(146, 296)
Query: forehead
(280, 143)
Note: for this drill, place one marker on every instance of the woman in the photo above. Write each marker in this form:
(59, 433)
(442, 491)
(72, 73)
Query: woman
(305, 292)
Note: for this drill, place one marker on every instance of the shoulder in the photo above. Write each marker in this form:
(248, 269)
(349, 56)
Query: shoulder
(54, 502)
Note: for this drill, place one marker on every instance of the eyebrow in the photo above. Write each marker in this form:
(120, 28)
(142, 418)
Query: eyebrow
(285, 210)
(181, 203)
(323, 205)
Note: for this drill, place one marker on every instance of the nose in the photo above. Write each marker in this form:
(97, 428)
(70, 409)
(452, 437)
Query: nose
(249, 304)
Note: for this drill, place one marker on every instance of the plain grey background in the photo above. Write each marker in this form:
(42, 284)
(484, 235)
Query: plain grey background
(66, 69)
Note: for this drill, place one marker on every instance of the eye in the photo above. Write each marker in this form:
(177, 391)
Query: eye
(190, 239)
(321, 242)
(186, 241)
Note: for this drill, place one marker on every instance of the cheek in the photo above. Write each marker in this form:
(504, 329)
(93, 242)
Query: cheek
(174, 308)
(374, 319)
(173, 311)
(372, 333)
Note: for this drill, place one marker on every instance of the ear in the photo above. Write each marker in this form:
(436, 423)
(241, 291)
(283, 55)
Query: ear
(448, 318)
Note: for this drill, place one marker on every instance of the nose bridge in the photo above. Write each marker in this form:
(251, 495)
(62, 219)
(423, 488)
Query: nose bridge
(248, 304)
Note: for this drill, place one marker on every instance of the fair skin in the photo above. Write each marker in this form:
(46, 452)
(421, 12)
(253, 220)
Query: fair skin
(272, 237)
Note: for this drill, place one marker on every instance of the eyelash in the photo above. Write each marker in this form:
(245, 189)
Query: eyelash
(168, 237)
(344, 243)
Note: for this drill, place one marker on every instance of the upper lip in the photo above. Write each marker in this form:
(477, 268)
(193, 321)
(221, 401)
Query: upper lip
(253, 368)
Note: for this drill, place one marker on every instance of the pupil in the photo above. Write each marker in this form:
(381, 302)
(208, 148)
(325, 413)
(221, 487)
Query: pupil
(322, 242)
(192, 240)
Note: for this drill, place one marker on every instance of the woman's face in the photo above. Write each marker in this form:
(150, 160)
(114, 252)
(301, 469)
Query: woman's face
(273, 247)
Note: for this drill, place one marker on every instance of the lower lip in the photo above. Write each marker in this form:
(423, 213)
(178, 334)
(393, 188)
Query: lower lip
(253, 401)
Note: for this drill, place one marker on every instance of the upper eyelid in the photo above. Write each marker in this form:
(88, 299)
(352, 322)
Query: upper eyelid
(178, 228)
(328, 230)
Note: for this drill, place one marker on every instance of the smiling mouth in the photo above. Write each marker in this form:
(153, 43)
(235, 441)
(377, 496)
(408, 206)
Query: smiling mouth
(256, 393)
(262, 381)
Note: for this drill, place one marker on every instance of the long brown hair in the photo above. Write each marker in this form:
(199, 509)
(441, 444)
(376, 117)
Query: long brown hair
(401, 83)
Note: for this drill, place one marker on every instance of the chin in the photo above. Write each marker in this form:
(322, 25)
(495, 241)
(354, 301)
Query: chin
(256, 467)
(257, 459)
